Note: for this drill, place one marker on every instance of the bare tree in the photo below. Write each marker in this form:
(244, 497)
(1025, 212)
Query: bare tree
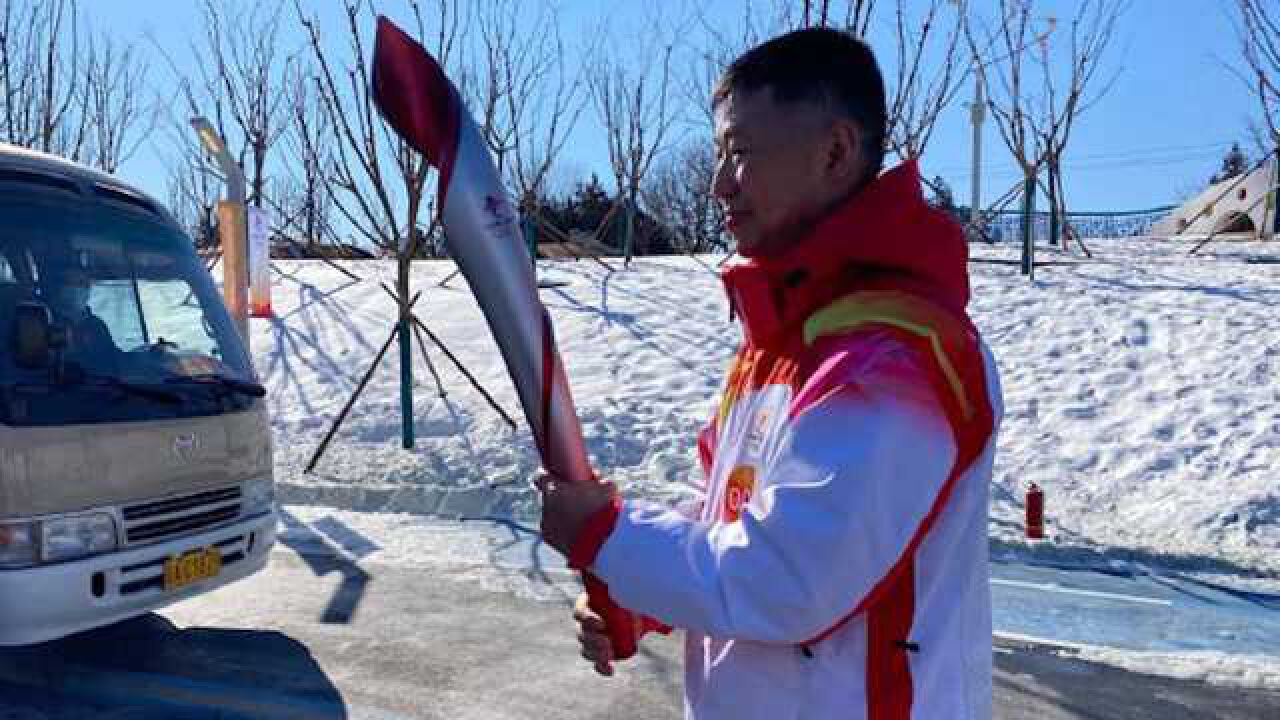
(678, 194)
(1092, 30)
(856, 17)
(303, 202)
(711, 53)
(634, 105)
(1262, 138)
(928, 72)
(53, 51)
(378, 180)
(41, 46)
(193, 192)
(67, 92)
(240, 87)
(1258, 27)
(1036, 103)
(928, 64)
(118, 117)
(526, 99)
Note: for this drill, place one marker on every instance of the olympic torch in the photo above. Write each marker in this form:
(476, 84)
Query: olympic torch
(425, 109)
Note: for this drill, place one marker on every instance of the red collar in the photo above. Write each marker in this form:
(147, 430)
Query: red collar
(884, 237)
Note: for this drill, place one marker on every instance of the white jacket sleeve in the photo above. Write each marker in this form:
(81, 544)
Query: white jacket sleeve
(850, 486)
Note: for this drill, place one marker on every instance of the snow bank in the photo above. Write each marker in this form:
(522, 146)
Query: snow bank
(1215, 668)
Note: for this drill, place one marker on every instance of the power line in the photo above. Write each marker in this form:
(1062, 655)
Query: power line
(1162, 155)
(1160, 150)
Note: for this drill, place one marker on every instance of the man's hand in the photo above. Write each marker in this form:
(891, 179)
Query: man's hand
(566, 506)
(592, 637)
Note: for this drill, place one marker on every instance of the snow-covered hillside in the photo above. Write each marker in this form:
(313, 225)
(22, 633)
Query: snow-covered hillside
(1140, 388)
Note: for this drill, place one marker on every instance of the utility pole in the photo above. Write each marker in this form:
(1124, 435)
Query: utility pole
(977, 114)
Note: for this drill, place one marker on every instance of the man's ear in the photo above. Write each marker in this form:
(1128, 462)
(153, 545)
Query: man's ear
(845, 162)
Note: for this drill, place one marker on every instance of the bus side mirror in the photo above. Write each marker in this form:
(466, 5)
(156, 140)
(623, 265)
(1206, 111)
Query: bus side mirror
(35, 337)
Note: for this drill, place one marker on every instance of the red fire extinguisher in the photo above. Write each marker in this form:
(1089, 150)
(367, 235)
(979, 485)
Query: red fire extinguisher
(1035, 512)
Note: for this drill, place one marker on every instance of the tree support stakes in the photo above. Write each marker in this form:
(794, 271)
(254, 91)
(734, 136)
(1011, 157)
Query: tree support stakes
(422, 346)
(462, 369)
(449, 277)
(558, 233)
(217, 255)
(333, 428)
(324, 259)
(456, 362)
(351, 401)
(1065, 227)
(985, 216)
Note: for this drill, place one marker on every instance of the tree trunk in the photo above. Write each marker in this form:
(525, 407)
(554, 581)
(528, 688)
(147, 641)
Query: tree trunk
(1054, 217)
(1028, 223)
(628, 230)
(405, 332)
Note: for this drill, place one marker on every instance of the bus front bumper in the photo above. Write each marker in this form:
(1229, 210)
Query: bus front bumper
(48, 602)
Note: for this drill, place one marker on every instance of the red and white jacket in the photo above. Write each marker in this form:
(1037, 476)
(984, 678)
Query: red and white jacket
(837, 567)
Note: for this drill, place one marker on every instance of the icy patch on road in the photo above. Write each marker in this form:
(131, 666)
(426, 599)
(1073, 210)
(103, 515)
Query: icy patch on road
(496, 554)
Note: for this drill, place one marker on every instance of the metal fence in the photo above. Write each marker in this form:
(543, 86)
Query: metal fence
(1007, 224)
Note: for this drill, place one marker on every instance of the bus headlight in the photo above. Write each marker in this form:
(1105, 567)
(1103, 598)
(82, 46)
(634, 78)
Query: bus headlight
(67, 538)
(18, 543)
(258, 496)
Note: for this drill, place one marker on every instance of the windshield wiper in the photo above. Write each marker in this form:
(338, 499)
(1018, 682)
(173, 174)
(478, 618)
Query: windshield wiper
(149, 392)
(216, 380)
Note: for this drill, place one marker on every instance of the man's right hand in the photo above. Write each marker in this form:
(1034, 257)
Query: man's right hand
(593, 637)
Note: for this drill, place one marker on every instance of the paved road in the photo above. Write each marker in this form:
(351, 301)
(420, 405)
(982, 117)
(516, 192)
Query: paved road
(318, 636)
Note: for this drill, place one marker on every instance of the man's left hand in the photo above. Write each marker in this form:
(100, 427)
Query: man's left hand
(566, 507)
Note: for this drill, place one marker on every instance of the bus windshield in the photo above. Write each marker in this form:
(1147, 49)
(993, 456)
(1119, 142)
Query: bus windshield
(142, 331)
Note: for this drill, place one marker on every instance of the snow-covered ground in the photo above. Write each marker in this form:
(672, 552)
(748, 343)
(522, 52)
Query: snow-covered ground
(1141, 393)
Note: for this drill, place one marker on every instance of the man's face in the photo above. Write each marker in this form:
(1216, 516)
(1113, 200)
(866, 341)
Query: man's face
(774, 174)
(71, 297)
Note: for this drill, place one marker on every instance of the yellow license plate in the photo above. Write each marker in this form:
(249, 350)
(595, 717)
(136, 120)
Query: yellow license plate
(191, 567)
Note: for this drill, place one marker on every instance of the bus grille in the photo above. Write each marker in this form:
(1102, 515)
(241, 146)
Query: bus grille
(162, 519)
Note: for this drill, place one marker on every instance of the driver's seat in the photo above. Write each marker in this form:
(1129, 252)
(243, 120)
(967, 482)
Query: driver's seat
(11, 296)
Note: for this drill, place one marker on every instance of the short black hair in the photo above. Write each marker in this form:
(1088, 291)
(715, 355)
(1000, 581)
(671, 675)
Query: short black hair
(825, 66)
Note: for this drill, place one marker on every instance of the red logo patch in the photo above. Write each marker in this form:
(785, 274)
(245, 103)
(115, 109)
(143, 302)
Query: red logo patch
(742, 481)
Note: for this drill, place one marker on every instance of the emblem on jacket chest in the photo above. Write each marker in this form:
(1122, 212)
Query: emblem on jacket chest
(757, 433)
(737, 491)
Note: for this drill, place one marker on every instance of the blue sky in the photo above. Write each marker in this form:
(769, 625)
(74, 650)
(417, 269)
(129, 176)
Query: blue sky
(1161, 131)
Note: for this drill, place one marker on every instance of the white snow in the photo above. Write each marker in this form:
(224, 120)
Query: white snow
(1215, 668)
(1141, 393)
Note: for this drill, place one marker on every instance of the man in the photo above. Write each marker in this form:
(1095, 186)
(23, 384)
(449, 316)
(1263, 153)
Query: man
(89, 341)
(837, 566)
